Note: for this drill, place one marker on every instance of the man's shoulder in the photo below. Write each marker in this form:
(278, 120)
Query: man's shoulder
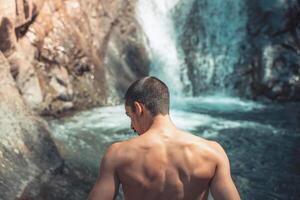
(200, 141)
(120, 151)
(217, 150)
(209, 147)
(112, 151)
(116, 148)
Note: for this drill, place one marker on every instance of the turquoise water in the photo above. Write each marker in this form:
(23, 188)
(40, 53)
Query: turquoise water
(261, 140)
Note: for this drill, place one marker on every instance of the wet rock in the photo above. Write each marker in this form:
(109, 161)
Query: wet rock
(260, 59)
(125, 54)
(273, 34)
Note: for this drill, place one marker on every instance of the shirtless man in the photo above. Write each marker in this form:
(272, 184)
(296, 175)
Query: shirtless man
(163, 163)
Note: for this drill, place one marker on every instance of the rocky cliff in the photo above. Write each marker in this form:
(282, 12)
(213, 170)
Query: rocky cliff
(69, 54)
(242, 48)
(272, 56)
(56, 56)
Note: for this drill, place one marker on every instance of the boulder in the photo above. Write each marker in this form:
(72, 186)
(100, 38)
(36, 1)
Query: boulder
(27, 150)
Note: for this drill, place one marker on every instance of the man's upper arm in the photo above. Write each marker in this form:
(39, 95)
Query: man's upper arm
(107, 184)
(222, 186)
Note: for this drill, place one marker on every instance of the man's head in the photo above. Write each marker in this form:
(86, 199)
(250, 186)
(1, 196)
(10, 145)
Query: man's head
(145, 99)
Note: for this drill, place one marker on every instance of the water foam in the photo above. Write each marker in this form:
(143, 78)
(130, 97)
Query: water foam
(110, 124)
(219, 102)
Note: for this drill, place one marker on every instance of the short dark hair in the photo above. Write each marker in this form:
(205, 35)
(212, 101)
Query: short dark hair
(151, 92)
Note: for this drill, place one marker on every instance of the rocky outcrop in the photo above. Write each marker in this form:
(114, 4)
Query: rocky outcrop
(69, 54)
(245, 48)
(273, 61)
(56, 56)
(27, 150)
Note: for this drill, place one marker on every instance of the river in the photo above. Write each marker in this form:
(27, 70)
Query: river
(261, 140)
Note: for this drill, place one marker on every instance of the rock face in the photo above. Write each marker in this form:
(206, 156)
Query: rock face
(69, 54)
(273, 33)
(246, 48)
(26, 148)
(55, 56)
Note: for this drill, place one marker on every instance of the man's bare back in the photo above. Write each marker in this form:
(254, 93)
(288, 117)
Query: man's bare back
(163, 166)
(171, 166)
(163, 163)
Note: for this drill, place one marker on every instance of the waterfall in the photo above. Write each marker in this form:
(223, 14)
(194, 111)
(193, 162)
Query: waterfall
(155, 17)
(194, 43)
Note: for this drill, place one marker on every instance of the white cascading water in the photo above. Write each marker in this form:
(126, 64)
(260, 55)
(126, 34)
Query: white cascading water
(218, 51)
(156, 21)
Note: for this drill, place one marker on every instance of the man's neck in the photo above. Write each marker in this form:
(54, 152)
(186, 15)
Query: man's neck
(162, 122)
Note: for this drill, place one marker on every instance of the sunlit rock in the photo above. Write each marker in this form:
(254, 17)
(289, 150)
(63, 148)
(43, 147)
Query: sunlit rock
(75, 37)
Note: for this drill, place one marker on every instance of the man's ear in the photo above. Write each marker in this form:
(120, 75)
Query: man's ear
(138, 107)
